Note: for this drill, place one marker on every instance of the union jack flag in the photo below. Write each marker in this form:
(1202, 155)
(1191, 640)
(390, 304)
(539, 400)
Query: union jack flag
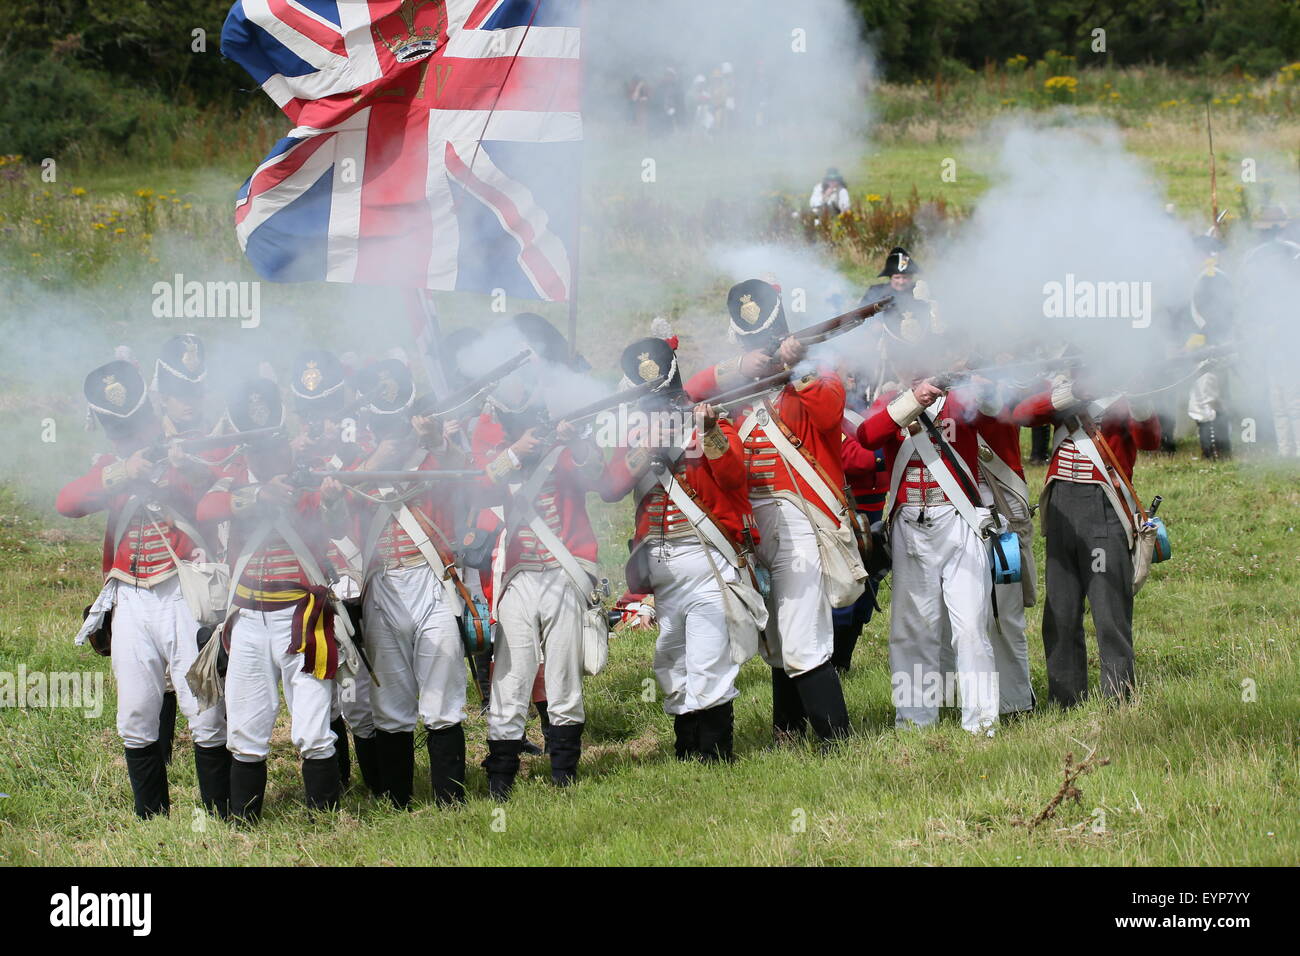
(436, 143)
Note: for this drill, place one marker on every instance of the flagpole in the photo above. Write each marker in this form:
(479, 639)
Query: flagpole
(577, 218)
(428, 338)
(428, 312)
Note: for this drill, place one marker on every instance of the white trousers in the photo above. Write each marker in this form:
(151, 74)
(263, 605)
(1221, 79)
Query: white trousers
(539, 624)
(941, 593)
(1203, 399)
(693, 652)
(155, 639)
(1006, 630)
(800, 634)
(414, 645)
(352, 703)
(260, 662)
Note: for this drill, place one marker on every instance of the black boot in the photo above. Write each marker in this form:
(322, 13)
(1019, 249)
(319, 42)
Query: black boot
(148, 774)
(368, 761)
(1215, 444)
(686, 727)
(320, 778)
(846, 639)
(546, 731)
(167, 726)
(447, 764)
(247, 789)
(341, 753)
(716, 730)
(823, 702)
(212, 766)
(788, 717)
(502, 766)
(396, 765)
(566, 748)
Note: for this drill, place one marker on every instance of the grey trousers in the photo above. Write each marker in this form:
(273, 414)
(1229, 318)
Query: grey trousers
(1087, 557)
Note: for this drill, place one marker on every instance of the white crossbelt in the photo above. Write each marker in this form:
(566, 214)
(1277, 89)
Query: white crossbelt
(997, 470)
(704, 527)
(794, 458)
(938, 468)
(1083, 441)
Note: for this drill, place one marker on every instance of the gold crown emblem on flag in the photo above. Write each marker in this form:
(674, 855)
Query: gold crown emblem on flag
(414, 44)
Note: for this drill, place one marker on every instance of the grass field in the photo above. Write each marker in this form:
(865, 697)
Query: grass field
(1203, 765)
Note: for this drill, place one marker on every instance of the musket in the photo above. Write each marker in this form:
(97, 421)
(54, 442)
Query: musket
(845, 322)
(1035, 367)
(746, 394)
(812, 335)
(592, 409)
(384, 477)
(431, 405)
(209, 442)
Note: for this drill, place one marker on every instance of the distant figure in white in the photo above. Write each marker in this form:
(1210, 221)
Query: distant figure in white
(830, 197)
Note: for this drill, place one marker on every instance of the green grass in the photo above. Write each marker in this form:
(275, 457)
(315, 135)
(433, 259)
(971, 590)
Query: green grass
(1197, 776)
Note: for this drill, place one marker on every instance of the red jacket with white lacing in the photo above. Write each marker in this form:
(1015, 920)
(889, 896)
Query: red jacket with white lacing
(141, 558)
(561, 503)
(274, 564)
(811, 408)
(957, 422)
(711, 471)
(1123, 433)
(437, 506)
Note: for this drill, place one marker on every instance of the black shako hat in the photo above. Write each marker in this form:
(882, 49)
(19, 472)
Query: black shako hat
(900, 262)
(543, 338)
(181, 367)
(648, 359)
(454, 354)
(255, 403)
(317, 384)
(1213, 300)
(116, 394)
(385, 388)
(756, 312)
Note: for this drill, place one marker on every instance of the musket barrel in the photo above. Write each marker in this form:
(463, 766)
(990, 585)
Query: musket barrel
(747, 393)
(609, 401)
(842, 323)
(363, 477)
(430, 405)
